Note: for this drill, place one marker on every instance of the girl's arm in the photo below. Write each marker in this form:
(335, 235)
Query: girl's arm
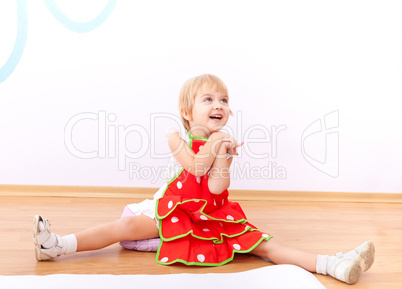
(219, 175)
(196, 164)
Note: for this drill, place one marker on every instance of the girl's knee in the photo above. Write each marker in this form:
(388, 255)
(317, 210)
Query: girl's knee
(138, 227)
(127, 223)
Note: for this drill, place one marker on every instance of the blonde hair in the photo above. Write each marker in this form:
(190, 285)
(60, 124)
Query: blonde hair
(190, 89)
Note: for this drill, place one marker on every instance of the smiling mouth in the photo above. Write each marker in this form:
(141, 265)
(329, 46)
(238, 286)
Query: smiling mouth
(215, 117)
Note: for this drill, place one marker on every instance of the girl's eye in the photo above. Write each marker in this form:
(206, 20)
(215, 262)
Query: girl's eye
(208, 99)
(224, 100)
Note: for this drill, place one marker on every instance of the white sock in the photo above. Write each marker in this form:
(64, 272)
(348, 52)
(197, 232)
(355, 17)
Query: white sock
(69, 244)
(321, 265)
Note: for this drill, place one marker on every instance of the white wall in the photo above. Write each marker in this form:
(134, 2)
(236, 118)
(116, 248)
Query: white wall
(316, 81)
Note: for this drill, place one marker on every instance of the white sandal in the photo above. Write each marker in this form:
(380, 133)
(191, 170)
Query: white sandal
(348, 267)
(40, 237)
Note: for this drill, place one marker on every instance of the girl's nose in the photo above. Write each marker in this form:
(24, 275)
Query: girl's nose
(218, 105)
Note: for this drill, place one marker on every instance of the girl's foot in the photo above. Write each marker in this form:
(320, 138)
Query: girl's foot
(47, 244)
(348, 267)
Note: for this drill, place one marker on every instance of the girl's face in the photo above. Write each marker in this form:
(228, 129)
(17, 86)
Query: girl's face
(210, 112)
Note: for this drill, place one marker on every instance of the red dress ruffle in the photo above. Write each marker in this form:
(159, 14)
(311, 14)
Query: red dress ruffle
(198, 227)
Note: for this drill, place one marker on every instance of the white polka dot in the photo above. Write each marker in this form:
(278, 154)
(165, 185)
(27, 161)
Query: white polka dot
(198, 180)
(214, 202)
(265, 235)
(236, 246)
(170, 205)
(174, 219)
(229, 217)
(179, 185)
(200, 147)
(164, 259)
(201, 258)
(202, 217)
(205, 230)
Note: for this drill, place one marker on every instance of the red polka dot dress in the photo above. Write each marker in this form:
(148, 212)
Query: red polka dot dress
(197, 227)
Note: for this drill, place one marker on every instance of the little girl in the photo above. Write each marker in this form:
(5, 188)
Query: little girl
(190, 219)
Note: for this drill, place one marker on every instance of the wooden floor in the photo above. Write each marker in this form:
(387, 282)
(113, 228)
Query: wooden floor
(319, 227)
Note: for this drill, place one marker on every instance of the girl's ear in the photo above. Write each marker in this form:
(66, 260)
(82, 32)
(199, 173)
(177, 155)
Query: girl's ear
(187, 116)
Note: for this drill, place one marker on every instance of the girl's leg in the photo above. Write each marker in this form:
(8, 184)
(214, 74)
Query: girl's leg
(127, 228)
(49, 245)
(344, 267)
(281, 254)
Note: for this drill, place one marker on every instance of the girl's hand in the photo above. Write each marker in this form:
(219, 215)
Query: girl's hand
(231, 146)
(228, 141)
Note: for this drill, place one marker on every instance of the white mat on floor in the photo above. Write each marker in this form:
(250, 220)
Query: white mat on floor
(278, 277)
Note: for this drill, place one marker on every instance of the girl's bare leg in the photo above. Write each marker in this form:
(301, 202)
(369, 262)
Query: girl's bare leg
(281, 254)
(127, 228)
